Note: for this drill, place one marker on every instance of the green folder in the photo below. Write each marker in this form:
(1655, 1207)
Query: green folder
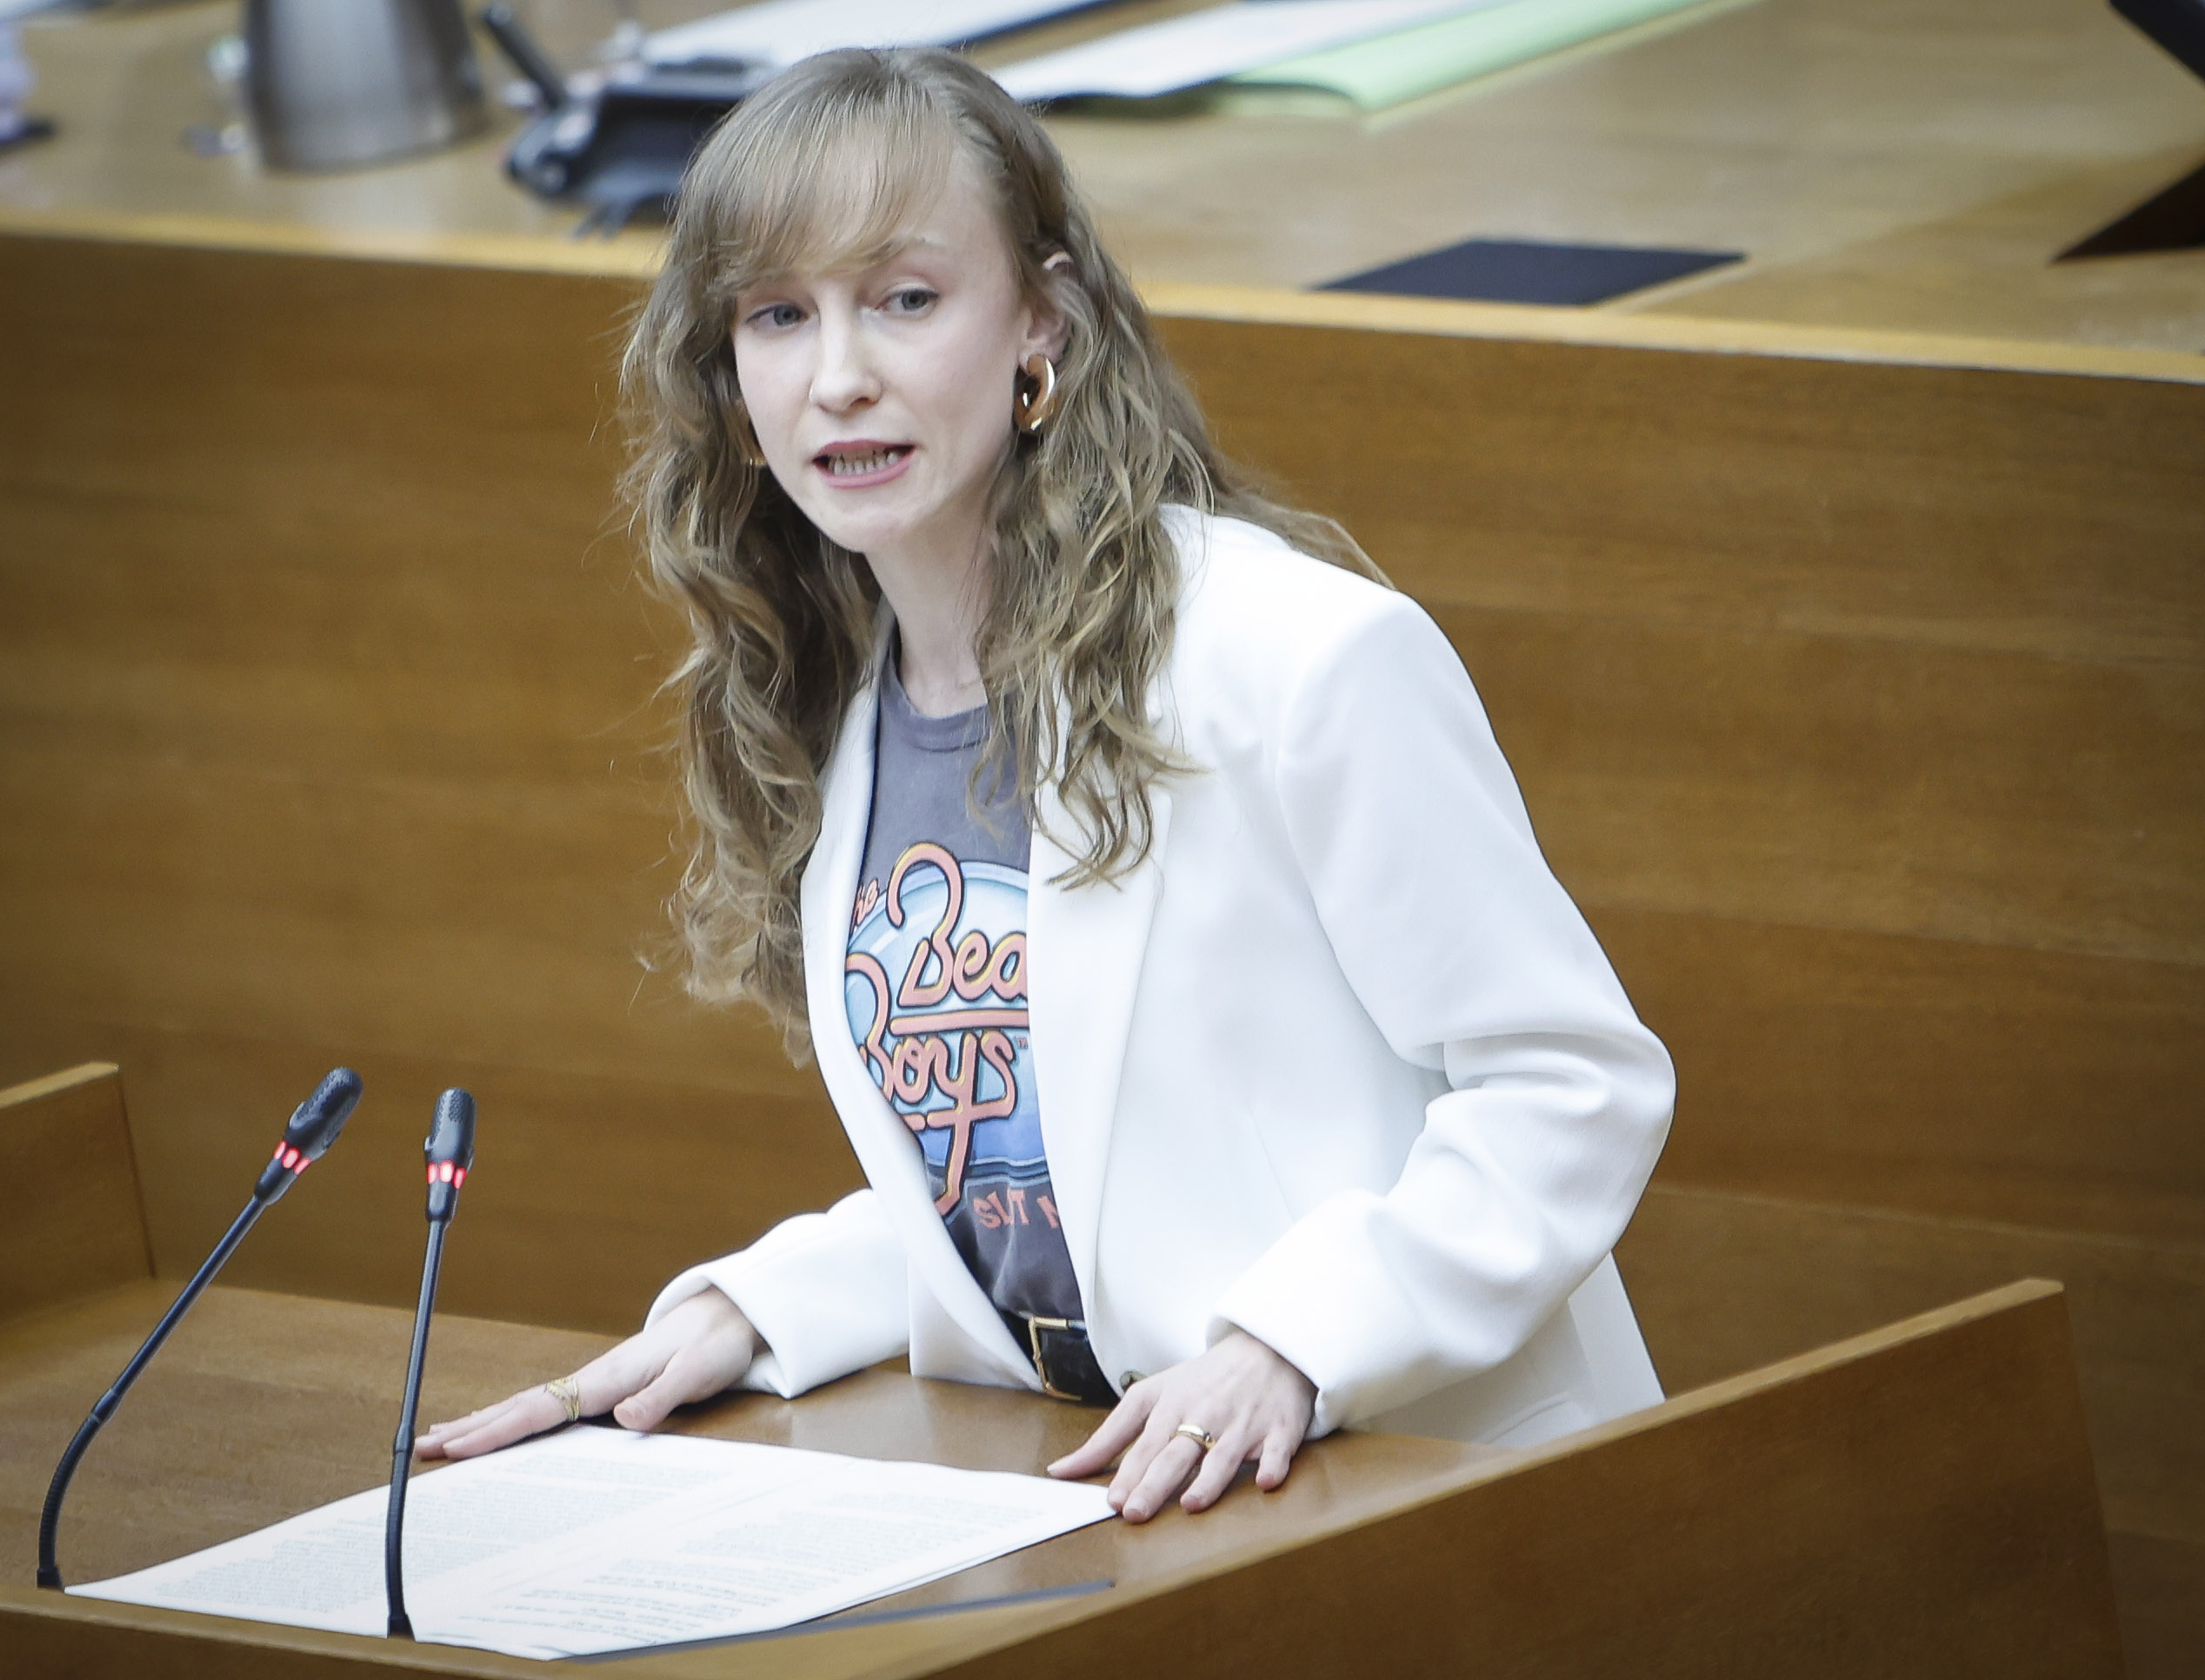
(1394, 68)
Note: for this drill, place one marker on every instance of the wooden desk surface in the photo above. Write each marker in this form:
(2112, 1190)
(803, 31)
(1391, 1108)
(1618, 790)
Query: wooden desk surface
(1916, 1501)
(1888, 167)
(263, 1405)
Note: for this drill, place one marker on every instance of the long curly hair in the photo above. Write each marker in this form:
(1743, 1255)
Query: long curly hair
(823, 170)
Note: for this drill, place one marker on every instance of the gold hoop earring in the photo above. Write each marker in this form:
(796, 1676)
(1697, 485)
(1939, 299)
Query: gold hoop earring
(1032, 412)
(746, 440)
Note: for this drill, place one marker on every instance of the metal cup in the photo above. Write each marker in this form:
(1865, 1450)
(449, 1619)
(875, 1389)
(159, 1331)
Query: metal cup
(334, 84)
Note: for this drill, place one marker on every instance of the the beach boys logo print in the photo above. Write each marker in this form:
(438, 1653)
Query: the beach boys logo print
(938, 1009)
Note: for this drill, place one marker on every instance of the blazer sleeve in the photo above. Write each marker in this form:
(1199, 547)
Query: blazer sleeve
(1471, 959)
(825, 1291)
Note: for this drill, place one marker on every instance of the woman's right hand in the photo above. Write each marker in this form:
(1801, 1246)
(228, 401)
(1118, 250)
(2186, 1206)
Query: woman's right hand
(699, 1348)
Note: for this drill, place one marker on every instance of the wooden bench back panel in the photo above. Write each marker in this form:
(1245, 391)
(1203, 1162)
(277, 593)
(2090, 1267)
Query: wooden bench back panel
(1917, 1502)
(72, 1224)
(329, 733)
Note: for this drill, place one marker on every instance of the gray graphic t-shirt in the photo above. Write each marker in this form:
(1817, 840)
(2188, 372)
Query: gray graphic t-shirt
(934, 984)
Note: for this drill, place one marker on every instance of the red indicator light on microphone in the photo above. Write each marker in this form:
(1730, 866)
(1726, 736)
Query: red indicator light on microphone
(459, 1178)
(290, 1158)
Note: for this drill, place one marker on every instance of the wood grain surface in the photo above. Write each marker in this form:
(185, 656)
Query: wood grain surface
(71, 1223)
(1722, 1280)
(1914, 1501)
(330, 708)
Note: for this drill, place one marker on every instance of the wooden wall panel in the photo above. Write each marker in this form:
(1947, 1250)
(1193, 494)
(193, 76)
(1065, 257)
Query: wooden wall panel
(1893, 787)
(328, 732)
(1754, 493)
(1938, 1076)
(589, 1192)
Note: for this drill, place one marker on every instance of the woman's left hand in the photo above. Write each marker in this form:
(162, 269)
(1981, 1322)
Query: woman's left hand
(1255, 1403)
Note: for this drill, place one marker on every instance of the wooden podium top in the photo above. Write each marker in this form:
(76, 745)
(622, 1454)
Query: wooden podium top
(264, 1405)
(1916, 1501)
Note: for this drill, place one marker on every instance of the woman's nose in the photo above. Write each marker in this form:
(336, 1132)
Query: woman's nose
(845, 377)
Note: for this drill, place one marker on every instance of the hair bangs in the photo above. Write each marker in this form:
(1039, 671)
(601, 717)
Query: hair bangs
(827, 190)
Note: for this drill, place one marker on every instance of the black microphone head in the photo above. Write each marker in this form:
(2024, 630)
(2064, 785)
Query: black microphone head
(451, 1151)
(317, 1122)
(451, 1133)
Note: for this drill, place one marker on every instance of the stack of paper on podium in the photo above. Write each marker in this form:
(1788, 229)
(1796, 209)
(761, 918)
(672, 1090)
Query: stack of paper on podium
(597, 1540)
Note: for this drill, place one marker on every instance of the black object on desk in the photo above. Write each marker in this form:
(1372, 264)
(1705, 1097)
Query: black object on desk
(2177, 25)
(2174, 217)
(24, 129)
(1533, 271)
(621, 147)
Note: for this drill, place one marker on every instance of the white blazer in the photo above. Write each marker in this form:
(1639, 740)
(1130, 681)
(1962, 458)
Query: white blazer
(1339, 1063)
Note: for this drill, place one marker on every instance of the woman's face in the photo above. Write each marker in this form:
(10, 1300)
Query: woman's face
(883, 399)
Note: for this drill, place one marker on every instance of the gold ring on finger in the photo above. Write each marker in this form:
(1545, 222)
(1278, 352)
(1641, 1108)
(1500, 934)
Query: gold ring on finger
(1195, 1433)
(567, 1392)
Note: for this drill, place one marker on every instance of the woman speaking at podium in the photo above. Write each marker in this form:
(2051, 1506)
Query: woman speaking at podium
(1139, 868)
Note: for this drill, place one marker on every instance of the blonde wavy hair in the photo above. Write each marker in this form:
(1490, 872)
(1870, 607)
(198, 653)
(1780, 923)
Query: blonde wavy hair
(825, 170)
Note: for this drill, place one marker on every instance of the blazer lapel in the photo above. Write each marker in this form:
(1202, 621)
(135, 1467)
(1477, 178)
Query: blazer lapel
(1085, 946)
(883, 1144)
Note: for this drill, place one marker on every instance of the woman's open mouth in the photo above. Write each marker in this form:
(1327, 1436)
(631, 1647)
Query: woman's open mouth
(854, 466)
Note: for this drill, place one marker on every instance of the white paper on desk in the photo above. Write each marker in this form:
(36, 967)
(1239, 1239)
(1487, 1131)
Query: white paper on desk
(1207, 46)
(597, 1540)
(782, 31)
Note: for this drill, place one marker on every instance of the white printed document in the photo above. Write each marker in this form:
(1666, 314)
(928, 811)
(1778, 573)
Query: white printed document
(595, 1540)
(1209, 45)
(782, 31)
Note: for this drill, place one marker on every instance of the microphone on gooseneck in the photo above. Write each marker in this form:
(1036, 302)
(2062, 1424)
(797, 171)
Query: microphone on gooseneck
(451, 1153)
(314, 1126)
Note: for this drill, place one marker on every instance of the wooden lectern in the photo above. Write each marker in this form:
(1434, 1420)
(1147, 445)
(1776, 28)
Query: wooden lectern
(1917, 1501)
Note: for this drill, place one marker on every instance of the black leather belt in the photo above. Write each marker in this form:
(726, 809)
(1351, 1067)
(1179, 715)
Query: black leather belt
(1062, 1358)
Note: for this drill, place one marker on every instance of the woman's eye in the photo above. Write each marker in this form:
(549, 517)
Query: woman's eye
(777, 315)
(910, 300)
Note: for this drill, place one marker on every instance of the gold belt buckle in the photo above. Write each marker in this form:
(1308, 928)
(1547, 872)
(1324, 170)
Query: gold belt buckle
(1034, 1326)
